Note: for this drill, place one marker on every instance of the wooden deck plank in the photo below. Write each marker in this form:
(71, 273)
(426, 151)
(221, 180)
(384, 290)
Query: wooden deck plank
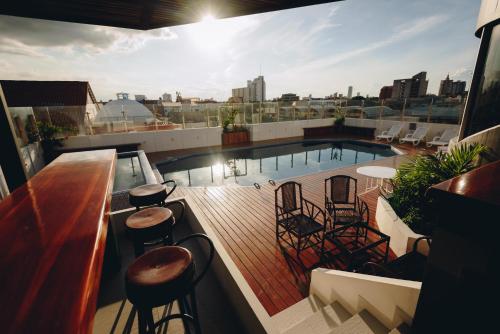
(243, 217)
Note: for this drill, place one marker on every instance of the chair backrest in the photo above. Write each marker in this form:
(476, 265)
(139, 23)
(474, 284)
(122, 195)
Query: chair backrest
(363, 211)
(395, 129)
(420, 132)
(448, 134)
(341, 189)
(288, 196)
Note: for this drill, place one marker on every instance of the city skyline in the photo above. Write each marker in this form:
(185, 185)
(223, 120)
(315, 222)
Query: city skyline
(314, 50)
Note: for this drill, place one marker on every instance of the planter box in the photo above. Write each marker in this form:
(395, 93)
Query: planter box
(402, 237)
(238, 137)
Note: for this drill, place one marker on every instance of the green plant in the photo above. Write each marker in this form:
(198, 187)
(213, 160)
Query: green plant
(339, 116)
(412, 180)
(339, 120)
(49, 134)
(231, 120)
(32, 132)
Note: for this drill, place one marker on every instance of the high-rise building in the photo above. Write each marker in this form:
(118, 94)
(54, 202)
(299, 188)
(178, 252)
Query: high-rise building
(385, 93)
(415, 86)
(349, 92)
(255, 91)
(140, 97)
(448, 87)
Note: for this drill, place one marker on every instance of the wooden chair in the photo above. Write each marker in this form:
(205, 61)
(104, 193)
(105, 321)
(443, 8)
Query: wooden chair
(340, 199)
(300, 224)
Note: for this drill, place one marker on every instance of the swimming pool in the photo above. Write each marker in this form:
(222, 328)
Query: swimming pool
(132, 170)
(246, 166)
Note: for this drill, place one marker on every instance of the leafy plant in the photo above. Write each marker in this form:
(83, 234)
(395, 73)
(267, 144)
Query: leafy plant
(339, 116)
(231, 120)
(339, 120)
(32, 132)
(49, 132)
(412, 180)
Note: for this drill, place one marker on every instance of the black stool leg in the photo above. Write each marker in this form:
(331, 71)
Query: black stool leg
(146, 321)
(141, 322)
(183, 310)
(194, 312)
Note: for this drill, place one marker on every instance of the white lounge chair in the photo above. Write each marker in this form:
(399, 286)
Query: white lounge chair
(444, 139)
(416, 136)
(390, 134)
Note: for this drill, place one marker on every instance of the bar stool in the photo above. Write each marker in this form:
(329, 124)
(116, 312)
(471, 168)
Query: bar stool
(150, 227)
(162, 276)
(150, 194)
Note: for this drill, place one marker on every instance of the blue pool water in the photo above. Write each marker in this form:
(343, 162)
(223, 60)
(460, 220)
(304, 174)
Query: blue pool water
(246, 166)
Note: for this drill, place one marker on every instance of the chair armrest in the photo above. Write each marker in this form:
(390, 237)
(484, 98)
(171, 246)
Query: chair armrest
(173, 187)
(372, 268)
(313, 211)
(384, 133)
(436, 138)
(415, 244)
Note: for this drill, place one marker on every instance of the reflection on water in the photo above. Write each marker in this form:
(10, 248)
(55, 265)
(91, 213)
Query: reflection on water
(247, 166)
(128, 174)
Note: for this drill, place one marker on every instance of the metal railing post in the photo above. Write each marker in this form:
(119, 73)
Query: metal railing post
(429, 111)
(278, 112)
(403, 110)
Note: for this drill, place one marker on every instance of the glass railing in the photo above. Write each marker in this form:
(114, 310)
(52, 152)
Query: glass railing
(134, 117)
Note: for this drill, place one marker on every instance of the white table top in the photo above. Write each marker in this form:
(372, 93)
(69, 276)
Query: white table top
(377, 171)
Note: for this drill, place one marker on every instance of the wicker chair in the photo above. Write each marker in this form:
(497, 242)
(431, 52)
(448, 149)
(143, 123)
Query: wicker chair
(340, 199)
(300, 224)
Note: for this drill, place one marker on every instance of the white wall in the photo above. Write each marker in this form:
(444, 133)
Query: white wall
(276, 130)
(392, 301)
(166, 140)
(152, 141)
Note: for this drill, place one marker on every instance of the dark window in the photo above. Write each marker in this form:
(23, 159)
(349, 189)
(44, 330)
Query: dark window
(486, 111)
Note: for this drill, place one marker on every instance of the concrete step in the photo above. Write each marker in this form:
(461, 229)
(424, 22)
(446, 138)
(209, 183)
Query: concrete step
(321, 321)
(296, 313)
(361, 323)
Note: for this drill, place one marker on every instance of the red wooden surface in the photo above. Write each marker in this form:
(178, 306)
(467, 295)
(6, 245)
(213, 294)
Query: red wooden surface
(480, 184)
(237, 137)
(53, 232)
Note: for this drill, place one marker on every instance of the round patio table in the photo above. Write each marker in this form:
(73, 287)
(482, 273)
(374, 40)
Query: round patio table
(375, 175)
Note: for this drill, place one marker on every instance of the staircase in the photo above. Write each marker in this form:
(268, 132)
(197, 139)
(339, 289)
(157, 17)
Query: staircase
(335, 309)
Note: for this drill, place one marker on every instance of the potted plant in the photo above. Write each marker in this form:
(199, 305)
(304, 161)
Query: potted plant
(408, 213)
(339, 120)
(233, 134)
(49, 139)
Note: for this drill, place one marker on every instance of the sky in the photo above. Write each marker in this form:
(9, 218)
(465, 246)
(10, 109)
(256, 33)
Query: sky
(315, 50)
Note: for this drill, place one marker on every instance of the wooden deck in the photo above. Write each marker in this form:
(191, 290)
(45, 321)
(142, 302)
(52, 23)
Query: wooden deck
(244, 220)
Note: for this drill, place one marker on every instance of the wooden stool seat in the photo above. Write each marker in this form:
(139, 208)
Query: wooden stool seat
(159, 276)
(148, 194)
(150, 225)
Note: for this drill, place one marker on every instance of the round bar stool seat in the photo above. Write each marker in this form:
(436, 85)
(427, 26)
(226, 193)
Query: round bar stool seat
(148, 225)
(147, 195)
(160, 276)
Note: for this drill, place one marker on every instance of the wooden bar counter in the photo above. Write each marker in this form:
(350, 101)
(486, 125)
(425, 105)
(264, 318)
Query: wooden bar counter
(52, 236)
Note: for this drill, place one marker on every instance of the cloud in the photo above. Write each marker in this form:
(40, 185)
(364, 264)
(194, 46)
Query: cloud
(402, 33)
(28, 36)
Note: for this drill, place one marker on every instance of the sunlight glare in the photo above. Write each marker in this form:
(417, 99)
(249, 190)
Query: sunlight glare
(209, 33)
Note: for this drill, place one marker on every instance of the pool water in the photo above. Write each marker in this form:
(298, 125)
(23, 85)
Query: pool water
(128, 173)
(247, 166)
